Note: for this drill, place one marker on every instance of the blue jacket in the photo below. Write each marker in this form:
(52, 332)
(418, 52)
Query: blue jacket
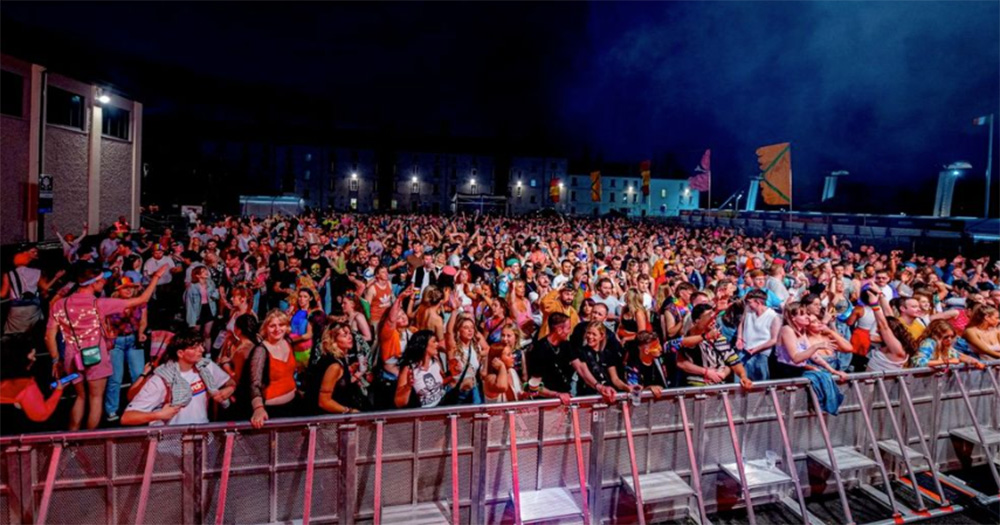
(192, 301)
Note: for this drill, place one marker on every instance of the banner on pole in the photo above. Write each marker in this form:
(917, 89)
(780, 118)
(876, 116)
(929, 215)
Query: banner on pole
(595, 186)
(776, 173)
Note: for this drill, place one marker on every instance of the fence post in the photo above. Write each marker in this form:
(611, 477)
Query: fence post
(596, 470)
(50, 480)
(480, 442)
(21, 503)
(191, 474)
(348, 486)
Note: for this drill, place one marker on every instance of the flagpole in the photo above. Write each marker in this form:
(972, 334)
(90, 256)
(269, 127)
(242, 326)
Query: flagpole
(989, 166)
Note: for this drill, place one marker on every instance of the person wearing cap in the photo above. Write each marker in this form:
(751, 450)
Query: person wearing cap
(127, 331)
(511, 271)
(775, 282)
(79, 316)
(561, 301)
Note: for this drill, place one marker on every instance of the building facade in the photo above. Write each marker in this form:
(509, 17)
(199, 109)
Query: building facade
(428, 182)
(70, 153)
(529, 183)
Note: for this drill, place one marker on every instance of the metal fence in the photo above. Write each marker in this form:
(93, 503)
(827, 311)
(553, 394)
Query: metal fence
(694, 452)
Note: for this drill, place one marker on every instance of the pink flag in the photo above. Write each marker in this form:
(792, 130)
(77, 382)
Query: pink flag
(702, 179)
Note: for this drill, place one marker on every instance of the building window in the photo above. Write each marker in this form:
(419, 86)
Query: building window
(64, 108)
(11, 94)
(572, 195)
(635, 198)
(474, 171)
(611, 198)
(612, 183)
(333, 184)
(573, 181)
(572, 209)
(393, 204)
(520, 190)
(435, 190)
(474, 187)
(532, 199)
(415, 188)
(333, 166)
(532, 183)
(309, 157)
(307, 175)
(354, 203)
(354, 184)
(663, 193)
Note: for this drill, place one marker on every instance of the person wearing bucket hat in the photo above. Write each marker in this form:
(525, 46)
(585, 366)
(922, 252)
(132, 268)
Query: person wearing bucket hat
(79, 316)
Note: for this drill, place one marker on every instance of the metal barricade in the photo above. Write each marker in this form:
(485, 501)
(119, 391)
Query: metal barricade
(693, 452)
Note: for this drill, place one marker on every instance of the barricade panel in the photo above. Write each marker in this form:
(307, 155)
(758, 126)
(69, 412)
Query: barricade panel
(99, 477)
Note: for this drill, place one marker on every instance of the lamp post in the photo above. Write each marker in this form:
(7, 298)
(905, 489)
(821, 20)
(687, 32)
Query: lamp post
(989, 165)
(946, 187)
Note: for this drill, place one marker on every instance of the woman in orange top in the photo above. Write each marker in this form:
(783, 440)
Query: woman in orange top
(272, 372)
(393, 334)
(19, 389)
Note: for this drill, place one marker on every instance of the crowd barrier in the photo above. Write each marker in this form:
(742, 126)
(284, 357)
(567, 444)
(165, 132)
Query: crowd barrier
(694, 453)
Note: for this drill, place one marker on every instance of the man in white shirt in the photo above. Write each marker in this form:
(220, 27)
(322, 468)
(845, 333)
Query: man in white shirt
(565, 274)
(757, 334)
(156, 262)
(109, 245)
(605, 295)
(159, 403)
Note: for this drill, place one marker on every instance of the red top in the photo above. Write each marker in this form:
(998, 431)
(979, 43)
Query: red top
(282, 378)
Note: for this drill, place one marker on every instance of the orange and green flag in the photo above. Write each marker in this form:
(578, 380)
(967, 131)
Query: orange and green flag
(595, 186)
(644, 171)
(776, 173)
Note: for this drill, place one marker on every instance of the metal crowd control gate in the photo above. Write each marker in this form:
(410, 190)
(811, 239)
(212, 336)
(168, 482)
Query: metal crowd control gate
(698, 453)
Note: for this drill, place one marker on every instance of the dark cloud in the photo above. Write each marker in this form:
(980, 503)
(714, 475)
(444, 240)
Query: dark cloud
(886, 90)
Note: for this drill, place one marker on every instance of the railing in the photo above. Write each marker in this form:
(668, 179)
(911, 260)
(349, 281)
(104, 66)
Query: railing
(695, 451)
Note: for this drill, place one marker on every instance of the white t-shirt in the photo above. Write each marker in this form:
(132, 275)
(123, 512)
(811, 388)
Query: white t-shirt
(613, 303)
(154, 393)
(152, 265)
(757, 329)
(428, 384)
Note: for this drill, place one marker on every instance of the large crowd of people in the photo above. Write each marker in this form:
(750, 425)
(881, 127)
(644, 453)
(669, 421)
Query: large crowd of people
(259, 318)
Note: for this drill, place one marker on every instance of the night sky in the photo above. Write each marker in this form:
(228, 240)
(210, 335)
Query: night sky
(886, 90)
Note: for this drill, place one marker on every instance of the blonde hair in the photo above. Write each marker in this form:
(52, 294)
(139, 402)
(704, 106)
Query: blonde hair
(329, 341)
(273, 315)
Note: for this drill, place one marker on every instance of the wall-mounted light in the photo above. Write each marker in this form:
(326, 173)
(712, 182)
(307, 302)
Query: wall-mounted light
(103, 97)
(354, 175)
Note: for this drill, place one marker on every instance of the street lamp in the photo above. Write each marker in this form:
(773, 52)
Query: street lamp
(102, 97)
